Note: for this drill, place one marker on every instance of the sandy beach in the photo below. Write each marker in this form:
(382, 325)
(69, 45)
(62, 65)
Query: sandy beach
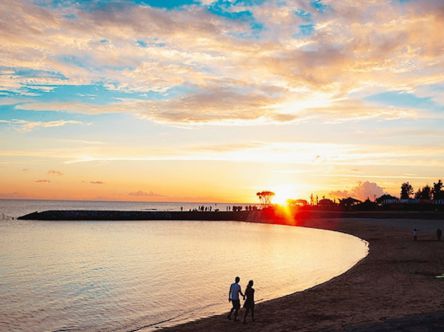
(393, 288)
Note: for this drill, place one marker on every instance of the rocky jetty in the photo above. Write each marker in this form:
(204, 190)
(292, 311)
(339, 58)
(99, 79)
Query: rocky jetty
(139, 215)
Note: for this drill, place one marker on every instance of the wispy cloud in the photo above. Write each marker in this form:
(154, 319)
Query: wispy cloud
(27, 126)
(54, 172)
(302, 153)
(14, 194)
(229, 108)
(42, 181)
(141, 193)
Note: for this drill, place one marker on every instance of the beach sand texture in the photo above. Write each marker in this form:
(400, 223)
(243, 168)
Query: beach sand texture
(393, 289)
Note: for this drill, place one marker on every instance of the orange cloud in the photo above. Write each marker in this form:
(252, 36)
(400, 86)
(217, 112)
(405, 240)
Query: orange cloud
(42, 181)
(141, 193)
(362, 191)
(54, 172)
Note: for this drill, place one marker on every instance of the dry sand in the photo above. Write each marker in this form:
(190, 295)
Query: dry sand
(393, 289)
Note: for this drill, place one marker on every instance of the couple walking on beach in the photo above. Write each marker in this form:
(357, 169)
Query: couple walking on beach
(233, 297)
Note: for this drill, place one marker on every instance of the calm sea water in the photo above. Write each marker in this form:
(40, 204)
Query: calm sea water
(16, 208)
(127, 276)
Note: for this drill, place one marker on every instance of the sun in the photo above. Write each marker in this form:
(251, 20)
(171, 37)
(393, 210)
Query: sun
(283, 194)
(280, 198)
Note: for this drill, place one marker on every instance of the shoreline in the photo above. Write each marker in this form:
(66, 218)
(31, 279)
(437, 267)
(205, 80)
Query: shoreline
(392, 288)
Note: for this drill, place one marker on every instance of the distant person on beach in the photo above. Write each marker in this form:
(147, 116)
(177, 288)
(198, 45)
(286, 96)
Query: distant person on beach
(438, 234)
(415, 234)
(233, 297)
(249, 301)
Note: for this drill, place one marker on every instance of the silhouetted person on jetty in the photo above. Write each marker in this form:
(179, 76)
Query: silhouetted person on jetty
(438, 234)
(233, 297)
(249, 302)
(415, 234)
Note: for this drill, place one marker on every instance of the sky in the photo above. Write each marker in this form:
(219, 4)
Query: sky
(215, 100)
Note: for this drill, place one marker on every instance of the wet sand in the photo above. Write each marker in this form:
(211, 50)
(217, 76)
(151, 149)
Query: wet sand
(393, 289)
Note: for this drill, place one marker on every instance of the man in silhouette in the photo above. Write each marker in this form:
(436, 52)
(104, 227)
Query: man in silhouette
(438, 234)
(233, 297)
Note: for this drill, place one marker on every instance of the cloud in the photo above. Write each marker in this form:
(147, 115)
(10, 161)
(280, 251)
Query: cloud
(141, 193)
(356, 110)
(27, 126)
(42, 181)
(283, 152)
(301, 152)
(226, 74)
(54, 172)
(14, 194)
(227, 106)
(96, 182)
(221, 148)
(362, 191)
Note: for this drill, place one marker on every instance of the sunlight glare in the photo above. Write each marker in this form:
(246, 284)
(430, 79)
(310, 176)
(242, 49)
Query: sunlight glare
(283, 193)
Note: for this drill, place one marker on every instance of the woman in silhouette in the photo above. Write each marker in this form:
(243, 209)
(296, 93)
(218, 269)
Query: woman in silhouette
(249, 301)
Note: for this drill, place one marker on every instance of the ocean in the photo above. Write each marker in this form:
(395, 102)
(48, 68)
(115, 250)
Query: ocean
(141, 275)
(14, 208)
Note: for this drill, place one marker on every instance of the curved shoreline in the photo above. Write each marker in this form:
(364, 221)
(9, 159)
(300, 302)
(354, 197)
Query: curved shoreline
(392, 288)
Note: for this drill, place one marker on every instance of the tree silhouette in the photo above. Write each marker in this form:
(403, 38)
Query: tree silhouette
(367, 205)
(348, 202)
(297, 202)
(265, 197)
(326, 203)
(384, 198)
(437, 190)
(424, 193)
(406, 190)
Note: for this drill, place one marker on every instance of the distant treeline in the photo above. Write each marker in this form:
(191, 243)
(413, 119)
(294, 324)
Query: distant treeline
(424, 198)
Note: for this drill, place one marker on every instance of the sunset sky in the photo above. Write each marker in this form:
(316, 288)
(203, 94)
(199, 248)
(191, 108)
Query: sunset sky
(188, 100)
